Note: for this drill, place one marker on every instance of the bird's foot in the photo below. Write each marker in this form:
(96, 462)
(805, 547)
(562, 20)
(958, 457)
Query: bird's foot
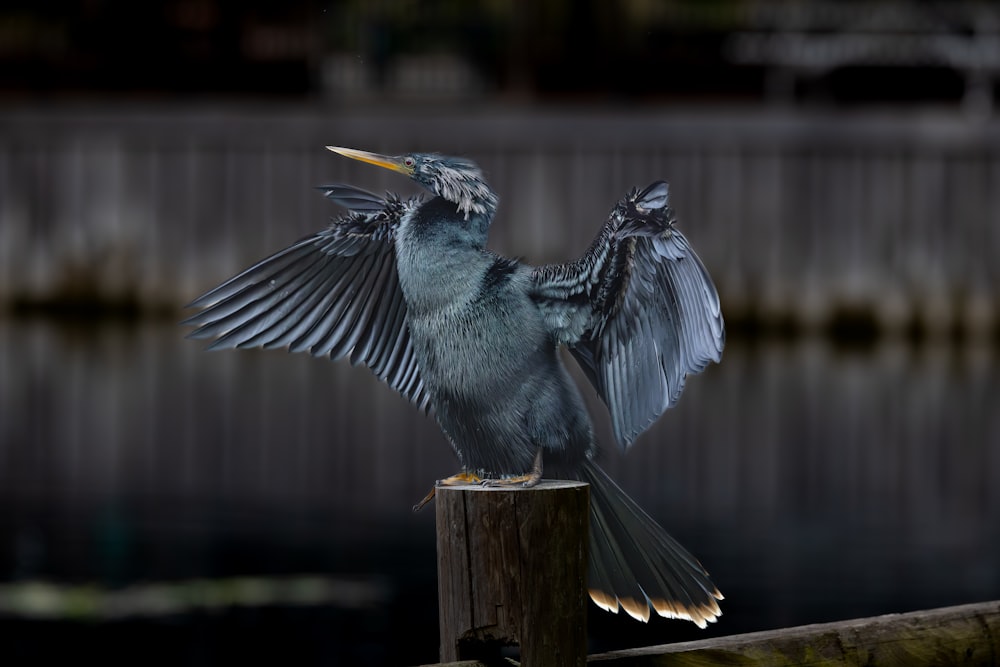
(463, 477)
(524, 481)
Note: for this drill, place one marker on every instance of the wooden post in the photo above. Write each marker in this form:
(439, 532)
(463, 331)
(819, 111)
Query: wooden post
(512, 569)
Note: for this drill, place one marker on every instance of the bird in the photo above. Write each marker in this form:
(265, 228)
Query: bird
(408, 288)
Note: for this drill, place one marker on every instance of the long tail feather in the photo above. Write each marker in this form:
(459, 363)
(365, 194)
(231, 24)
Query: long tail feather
(636, 565)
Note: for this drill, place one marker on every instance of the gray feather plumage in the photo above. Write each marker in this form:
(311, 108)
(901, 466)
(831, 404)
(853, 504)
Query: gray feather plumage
(638, 311)
(334, 294)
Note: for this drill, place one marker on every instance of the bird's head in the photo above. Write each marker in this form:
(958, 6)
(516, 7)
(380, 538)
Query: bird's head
(454, 179)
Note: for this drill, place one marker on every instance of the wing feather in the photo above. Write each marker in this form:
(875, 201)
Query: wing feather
(638, 311)
(250, 285)
(261, 318)
(335, 293)
(352, 198)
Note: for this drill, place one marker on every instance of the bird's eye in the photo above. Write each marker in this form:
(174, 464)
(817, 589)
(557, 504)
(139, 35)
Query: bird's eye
(409, 161)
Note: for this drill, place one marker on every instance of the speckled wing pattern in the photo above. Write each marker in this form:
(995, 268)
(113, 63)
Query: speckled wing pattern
(335, 294)
(638, 311)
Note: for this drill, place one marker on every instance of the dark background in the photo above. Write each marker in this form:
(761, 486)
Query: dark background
(836, 165)
(720, 51)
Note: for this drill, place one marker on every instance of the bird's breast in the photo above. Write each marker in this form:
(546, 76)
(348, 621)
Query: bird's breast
(476, 344)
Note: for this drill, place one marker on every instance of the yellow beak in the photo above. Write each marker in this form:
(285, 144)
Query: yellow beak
(385, 161)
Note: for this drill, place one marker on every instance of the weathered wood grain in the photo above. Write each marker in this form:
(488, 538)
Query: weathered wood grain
(512, 567)
(962, 635)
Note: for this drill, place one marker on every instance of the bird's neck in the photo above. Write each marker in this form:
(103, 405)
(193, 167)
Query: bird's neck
(440, 225)
(440, 256)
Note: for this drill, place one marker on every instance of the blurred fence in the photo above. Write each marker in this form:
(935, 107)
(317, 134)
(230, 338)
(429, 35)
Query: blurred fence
(797, 215)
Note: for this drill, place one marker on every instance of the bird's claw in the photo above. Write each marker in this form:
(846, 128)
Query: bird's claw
(463, 477)
(426, 499)
(521, 481)
(525, 481)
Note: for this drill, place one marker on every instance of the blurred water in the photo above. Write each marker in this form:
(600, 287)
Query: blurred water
(815, 483)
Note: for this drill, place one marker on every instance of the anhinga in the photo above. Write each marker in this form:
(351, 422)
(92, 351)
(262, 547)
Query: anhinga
(408, 288)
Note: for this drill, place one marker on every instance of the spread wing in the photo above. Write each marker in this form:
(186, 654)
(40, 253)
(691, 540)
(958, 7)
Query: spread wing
(335, 293)
(638, 311)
